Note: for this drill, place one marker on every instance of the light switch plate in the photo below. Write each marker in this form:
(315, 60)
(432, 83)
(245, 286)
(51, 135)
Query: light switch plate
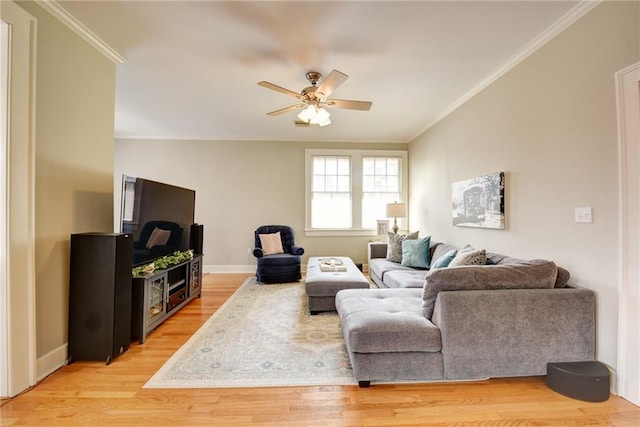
(583, 214)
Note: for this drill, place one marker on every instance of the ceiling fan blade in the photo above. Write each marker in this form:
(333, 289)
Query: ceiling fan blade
(348, 104)
(331, 82)
(279, 89)
(286, 109)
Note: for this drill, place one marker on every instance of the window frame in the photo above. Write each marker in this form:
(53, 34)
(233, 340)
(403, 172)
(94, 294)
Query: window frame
(356, 156)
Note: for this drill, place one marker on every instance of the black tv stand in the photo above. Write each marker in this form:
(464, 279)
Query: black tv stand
(157, 296)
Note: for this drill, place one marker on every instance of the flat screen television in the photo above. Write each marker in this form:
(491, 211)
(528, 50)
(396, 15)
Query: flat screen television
(158, 215)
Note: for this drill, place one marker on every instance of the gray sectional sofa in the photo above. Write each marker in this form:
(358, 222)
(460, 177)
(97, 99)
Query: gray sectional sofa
(508, 318)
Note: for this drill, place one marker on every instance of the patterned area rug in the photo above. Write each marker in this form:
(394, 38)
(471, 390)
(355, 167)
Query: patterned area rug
(263, 336)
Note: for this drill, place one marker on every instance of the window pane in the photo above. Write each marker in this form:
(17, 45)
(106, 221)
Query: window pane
(368, 183)
(318, 165)
(374, 207)
(343, 183)
(393, 183)
(393, 166)
(318, 183)
(381, 186)
(331, 165)
(344, 166)
(368, 166)
(331, 183)
(381, 183)
(331, 210)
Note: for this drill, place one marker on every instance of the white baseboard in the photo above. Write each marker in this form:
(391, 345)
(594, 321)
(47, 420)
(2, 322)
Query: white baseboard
(51, 362)
(247, 268)
(228, 268)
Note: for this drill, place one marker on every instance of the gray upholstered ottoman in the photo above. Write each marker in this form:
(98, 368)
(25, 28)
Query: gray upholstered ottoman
(322, 286)
(387, 336)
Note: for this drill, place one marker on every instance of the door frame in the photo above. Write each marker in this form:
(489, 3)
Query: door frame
(17, 284)
(628, 109)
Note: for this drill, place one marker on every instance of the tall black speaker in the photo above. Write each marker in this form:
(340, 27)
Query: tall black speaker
(197, 233)
(99, 296)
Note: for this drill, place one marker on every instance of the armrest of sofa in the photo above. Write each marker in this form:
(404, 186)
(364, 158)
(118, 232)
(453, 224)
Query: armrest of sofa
(514, 332)
(376, 250)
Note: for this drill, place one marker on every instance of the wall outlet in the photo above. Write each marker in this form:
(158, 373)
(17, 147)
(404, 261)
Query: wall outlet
(583, 214)
(249, 251)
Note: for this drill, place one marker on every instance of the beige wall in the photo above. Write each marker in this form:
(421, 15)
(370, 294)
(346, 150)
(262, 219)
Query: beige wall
(239, 186)
(75, 89)
(550, 125)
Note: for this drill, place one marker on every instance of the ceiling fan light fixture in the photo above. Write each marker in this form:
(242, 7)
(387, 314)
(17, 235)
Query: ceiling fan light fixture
(322, 114)
(315, 116)
(324, 122)
(307, 114)
(321, 118)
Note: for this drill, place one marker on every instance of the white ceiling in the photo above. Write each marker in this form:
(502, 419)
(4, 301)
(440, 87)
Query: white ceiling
(192, 68)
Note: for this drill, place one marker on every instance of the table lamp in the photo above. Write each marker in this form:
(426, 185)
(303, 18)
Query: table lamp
(396, 210)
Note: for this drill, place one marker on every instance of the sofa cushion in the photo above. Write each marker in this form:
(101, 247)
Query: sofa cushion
(562, 279)
(415, 252)
(535, 274)
(385, 320)
(499, 259)
(468, 255)
(394, 245)
(405, 279)
(379, 267)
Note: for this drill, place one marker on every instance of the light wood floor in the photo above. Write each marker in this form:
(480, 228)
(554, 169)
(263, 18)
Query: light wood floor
(90, 393)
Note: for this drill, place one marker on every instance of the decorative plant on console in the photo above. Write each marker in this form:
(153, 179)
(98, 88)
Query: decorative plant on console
(163, 263)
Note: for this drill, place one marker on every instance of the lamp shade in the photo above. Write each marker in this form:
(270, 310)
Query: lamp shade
(315, 116)
(307, 114)
(396, 210)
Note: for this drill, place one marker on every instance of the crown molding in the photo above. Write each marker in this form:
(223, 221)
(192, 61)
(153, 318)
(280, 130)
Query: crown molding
(70, 21)
(550, 33)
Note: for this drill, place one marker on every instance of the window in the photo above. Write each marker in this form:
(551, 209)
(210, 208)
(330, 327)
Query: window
(331, 192)
(347, 190)
(380, 185)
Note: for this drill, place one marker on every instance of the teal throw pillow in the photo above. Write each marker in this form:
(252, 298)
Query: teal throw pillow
(444, 260)
(415, 253)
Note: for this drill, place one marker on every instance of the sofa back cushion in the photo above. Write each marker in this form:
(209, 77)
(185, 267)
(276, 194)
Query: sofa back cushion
(562, 279)
(535, 274)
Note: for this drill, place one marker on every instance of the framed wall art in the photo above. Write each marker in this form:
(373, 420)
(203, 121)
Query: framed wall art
(479, 202)
(383, 227)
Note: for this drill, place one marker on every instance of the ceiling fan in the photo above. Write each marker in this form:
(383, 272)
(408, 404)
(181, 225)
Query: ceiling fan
(314, 98)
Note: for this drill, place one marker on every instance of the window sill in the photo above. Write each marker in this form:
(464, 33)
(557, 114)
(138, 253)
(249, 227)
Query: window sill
(340, 233)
